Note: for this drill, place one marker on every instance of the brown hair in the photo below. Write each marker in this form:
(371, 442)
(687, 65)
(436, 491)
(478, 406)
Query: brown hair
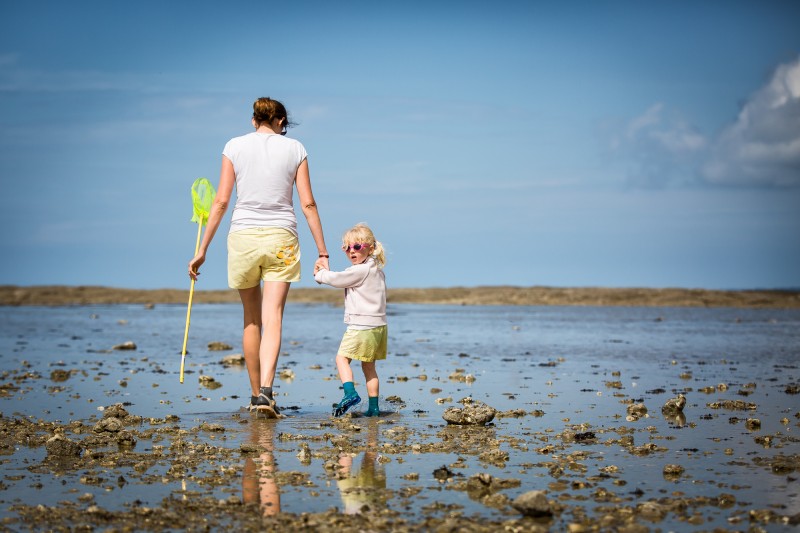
(265, 110)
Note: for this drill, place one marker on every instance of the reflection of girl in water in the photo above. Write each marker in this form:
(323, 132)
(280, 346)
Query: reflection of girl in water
(367, 486)
(258, 481)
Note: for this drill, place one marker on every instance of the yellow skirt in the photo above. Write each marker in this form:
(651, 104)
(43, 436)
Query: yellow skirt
(366, 345)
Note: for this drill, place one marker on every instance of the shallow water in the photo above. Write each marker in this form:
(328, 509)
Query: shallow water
(580, 366)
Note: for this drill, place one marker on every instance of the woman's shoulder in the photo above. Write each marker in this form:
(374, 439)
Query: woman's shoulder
(240, 139)
(292, 141)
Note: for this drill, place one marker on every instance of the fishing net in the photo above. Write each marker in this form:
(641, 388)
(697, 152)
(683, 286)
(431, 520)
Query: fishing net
(202, 195)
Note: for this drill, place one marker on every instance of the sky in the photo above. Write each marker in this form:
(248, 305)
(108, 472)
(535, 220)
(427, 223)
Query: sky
(536, 143)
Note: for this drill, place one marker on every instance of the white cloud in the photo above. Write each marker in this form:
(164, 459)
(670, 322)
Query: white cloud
(762, 147)
(663, 147)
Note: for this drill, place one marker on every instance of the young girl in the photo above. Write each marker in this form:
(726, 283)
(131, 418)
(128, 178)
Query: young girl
(365, 339)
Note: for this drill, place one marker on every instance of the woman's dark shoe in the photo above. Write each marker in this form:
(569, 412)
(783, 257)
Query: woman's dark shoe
(265, 404)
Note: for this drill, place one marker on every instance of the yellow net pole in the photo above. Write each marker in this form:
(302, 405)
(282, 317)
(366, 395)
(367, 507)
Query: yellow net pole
(189, 308)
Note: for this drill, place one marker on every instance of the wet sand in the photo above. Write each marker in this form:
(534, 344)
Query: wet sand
(499, 295)
(468, 442)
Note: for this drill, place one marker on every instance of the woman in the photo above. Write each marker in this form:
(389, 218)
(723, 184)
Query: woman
(262, 242)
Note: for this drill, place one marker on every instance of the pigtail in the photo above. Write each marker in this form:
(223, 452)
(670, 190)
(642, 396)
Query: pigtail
(379, 254)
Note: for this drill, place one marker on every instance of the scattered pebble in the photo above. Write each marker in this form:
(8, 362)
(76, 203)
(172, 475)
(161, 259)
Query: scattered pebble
(218, 346)
(129, 345)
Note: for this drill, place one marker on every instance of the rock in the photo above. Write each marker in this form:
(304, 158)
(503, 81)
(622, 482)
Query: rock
(209, 382)
(395, 400)
(459, 375)
(652, 511)
(480, 482)
(733, 405)
(496, 457)
(637, 410)
(235, 359)
(130, 345)
(248, 447)
(474, 413)
(443, 473)
(126, 439)
(672, 472)
(764, 440)
(674, 406)
(60, 446)
(512, 413)
(108, 425)
(752, 424)
(115, 411)
(533, 503)
(59, 375)
(217, 346)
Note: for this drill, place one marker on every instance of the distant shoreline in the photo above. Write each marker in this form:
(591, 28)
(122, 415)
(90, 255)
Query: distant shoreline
(64, 295)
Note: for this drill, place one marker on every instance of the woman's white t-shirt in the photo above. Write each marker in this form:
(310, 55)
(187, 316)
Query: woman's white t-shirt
(265, 165)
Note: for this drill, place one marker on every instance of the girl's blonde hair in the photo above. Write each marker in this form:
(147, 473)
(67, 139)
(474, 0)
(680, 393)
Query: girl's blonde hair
(361, 233)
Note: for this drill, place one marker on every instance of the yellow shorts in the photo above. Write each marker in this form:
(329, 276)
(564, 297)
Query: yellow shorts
(366, 345)
(268, 254)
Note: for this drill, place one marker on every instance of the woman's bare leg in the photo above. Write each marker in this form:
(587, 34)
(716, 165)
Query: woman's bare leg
(273, 303)
(251, 335)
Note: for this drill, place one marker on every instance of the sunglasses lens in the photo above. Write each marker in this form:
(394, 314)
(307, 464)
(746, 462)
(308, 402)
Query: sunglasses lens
(356, 247)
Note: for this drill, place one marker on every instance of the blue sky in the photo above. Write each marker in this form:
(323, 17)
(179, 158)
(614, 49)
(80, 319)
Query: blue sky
(614, 144)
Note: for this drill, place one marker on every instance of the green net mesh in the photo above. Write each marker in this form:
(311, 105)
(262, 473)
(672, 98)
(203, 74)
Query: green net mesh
(202, 195)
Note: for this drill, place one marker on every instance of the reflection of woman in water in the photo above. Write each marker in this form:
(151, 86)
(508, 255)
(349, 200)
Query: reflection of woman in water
(258, 481)
(367, 486)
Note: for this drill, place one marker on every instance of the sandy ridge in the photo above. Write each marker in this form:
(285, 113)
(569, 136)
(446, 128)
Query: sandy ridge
(500, 295)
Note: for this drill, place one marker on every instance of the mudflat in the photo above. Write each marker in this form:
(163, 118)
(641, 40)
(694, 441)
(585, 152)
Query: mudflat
(493, 418)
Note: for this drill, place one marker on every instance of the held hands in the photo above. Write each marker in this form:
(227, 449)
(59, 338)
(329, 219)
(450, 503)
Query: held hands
(321, 264)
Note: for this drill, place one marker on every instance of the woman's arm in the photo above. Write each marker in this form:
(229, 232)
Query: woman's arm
(227, 178)
(303, 181)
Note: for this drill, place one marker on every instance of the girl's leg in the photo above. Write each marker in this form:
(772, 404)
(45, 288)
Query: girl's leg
(371, 376)
(343, 366)
(251, 335)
